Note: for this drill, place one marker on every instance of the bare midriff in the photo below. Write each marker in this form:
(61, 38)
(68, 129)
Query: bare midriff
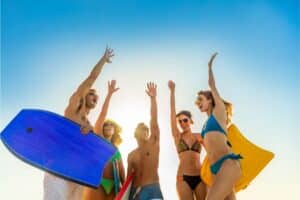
(189, 163)
(216, 145)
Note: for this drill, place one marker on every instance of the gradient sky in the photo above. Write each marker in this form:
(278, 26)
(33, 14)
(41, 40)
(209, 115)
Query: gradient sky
(49, 47)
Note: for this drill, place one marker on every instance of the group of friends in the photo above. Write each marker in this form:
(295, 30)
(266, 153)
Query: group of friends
(143, 161)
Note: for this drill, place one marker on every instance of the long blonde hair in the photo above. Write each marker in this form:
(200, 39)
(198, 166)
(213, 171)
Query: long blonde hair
(116, 139)
(228, 105)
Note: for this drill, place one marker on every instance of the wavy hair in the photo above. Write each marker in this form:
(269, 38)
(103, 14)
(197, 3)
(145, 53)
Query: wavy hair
(116, 138)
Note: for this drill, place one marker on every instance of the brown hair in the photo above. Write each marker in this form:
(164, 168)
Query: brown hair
(92, 90)
(185, 113)
(116, 139)
(228, 105)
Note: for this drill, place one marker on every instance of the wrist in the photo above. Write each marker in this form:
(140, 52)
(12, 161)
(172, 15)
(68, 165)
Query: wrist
(103, 59)
(109, 94)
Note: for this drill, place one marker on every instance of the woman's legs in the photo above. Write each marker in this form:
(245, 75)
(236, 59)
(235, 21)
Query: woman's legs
(184, 191)
(200, 191)
(225, 180)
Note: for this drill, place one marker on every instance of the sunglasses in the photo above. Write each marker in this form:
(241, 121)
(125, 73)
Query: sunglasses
(185, 120)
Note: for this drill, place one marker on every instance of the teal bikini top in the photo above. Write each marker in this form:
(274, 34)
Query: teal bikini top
(211, 125)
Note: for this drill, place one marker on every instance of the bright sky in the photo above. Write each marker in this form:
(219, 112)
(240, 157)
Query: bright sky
(49, 47)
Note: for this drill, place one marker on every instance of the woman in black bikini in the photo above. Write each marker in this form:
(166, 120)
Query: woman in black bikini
(189, 184)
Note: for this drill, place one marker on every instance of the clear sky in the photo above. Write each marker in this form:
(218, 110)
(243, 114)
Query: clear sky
(49, 47)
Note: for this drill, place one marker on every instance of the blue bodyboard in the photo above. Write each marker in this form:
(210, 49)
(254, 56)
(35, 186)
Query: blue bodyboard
(55, 144)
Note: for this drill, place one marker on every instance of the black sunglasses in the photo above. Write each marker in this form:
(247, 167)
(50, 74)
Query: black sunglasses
(185, 120)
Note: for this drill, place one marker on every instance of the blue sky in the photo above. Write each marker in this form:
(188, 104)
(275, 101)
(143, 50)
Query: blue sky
(48, 47)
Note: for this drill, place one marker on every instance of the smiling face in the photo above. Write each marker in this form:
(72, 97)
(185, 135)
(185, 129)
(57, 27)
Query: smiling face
(184, 119)
(108, 129)
(91, 99)
(205, 101)
(184, 122)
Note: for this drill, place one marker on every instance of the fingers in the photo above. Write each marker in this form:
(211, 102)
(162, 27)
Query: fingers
(109, 53)
(151, 85)
(151, 89)
(113, 82)
(108, 50)
(112, 86)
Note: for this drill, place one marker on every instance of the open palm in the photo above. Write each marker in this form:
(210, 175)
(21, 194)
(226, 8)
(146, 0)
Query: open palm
(112, 86)
(151, 89)
(109, 53)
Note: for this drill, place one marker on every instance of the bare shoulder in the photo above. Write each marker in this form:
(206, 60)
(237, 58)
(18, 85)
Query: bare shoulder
(76, 101)
(132, 154)
(198, 136)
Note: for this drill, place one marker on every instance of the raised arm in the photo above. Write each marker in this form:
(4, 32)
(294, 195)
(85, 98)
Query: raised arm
(100, 121)
(84, 87)
(174, 128)
(211, 82)
(154, 129)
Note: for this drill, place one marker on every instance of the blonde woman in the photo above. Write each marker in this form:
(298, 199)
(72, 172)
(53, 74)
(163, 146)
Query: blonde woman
(110, 130)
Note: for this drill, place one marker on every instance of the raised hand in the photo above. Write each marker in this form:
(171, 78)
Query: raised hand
(109, 53)
(151, 89)
(171, 85)
(112, 86)
(212, 59)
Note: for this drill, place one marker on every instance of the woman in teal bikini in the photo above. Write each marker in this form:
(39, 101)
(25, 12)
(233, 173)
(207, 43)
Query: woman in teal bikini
(224, 163)
(113, 174)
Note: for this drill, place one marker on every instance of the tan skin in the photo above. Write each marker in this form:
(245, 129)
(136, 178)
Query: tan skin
(144, 160)
(84, 99)
(189, 161)
(105, 130)
(216, 147)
